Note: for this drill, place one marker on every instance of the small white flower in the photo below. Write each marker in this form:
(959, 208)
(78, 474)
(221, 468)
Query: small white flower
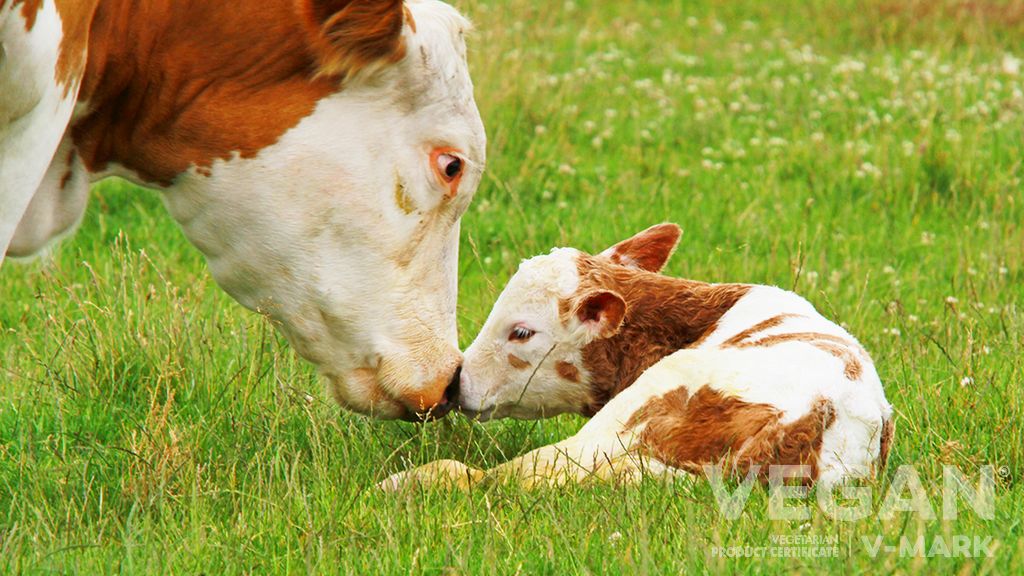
(615, 536)
(1010, 65)
(951, 300)
(952, 135)
(540, 129)
(966, 381)
(566, 169)
(927, 238)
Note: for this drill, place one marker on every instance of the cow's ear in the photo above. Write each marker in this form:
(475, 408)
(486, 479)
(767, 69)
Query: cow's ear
(649, 250)
(348, 36)
(600, 314)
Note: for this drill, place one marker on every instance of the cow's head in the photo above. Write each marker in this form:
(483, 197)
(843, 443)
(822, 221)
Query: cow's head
(529, 359)
(345, 230)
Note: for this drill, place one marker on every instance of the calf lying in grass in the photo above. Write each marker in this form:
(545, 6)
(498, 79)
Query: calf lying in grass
(677, 374)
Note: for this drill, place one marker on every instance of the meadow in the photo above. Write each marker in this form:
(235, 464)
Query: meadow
(866, 154)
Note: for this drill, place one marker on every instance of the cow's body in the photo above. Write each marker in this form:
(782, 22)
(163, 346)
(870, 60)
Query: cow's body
(318, 152)
(678, 374)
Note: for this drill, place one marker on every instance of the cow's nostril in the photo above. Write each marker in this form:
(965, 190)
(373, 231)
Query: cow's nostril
(451, 393)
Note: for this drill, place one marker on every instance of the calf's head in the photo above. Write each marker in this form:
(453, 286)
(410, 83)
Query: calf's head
(528, 359)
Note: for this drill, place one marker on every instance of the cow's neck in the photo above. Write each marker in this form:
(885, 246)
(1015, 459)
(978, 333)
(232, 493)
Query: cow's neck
(174, 85)
(663, 315)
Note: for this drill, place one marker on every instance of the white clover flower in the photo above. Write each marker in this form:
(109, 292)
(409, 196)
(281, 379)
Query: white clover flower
(1010, 65)
(966, 381)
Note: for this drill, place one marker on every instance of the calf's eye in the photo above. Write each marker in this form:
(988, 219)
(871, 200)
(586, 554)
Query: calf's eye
(520, 334)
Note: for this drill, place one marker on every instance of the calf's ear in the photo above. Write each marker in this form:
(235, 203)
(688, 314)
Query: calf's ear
(648, 250)
(348, 36)
(600, 314)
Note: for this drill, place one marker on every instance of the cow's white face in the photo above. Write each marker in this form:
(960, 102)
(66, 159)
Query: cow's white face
(345, 232)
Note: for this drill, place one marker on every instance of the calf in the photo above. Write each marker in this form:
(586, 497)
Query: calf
(677, 374)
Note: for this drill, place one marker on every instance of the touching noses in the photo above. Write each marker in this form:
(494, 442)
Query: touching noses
(449, 400)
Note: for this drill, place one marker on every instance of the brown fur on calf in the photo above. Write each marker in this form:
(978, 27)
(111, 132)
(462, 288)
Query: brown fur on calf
(708, 427)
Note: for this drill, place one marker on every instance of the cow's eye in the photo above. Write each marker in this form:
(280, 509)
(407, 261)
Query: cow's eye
(449, 166)
(520, 333)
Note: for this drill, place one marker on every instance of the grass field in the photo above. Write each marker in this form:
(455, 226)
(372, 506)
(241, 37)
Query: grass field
(866, 154)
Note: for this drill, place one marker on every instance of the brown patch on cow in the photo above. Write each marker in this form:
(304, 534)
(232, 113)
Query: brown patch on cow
(711, 428)
(885, 442)
(75, 20)
(567, 371)
(852, 368)
(517, 362)
(408, 18)
(176, 84)
(29, 9)
(663, 315)
(65, 178)
(758, 328)
(797, 337)
(348, 35)
(837, 346)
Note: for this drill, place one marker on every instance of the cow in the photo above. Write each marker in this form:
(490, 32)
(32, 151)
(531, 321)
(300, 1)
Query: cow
(679, 375)
(319, 153)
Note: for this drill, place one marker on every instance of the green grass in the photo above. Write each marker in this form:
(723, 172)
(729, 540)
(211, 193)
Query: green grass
(866, 154)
